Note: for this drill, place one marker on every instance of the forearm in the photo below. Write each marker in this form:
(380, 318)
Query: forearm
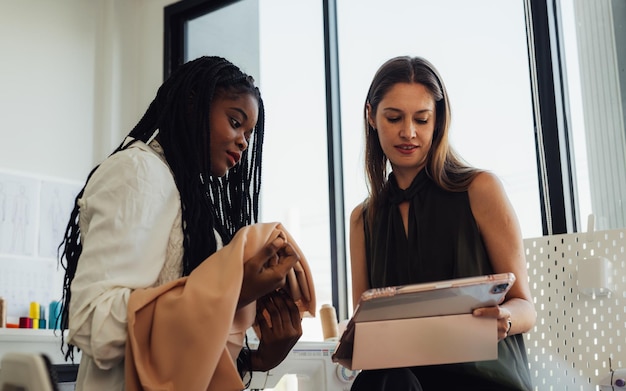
(256, 363)
(523, 315)
(250, 361)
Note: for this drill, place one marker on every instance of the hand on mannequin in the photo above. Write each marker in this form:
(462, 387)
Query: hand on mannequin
(280, 334)
(267, 270)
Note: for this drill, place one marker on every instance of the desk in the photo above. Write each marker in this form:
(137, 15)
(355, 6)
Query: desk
(34, 341)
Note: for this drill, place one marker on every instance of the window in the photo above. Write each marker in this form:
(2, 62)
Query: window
(594, 46)
(295, 164)
(483, 61)
(285, 55)
(528, 103)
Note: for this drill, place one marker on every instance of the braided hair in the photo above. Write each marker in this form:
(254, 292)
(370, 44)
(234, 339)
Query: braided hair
(180, 115)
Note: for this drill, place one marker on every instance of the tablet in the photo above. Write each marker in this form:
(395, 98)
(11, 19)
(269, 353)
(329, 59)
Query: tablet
(438, 298)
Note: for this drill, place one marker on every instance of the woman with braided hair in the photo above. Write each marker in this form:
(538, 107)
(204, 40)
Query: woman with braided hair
(175, 192)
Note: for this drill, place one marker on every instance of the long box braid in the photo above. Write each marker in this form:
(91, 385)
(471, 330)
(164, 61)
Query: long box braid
(180, 115)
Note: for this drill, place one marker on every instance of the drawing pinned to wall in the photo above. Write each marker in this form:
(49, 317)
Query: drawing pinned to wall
(22, 282)
(34, 212)
(57, 201)
(18, 208)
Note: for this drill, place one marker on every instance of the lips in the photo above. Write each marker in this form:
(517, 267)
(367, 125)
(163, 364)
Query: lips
(235, 157)
(406, 148)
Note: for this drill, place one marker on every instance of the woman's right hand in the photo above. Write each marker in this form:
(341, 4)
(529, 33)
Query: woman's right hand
(267, 270)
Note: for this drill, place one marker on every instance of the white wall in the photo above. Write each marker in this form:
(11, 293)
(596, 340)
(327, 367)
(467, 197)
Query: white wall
(75, 76)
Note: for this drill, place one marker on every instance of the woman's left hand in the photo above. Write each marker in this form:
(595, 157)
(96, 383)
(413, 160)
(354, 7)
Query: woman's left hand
(280, 334)
(500, 313)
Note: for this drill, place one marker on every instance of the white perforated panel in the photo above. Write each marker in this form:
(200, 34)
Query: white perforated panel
(575, 334)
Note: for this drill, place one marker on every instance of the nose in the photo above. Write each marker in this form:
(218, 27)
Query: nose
(409, 129)
(242, 142)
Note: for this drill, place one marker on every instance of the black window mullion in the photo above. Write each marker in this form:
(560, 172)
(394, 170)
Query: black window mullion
(556, 183)
(335, 164)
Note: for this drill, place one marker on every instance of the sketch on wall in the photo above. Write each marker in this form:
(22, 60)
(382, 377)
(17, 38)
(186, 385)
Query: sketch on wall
(56, 202)
(24, 282)
(18, 209)
(34, 212)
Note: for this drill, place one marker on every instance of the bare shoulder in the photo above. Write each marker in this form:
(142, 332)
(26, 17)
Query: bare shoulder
(485, 181)
(356, 217)
(488, 198)
(487, 187)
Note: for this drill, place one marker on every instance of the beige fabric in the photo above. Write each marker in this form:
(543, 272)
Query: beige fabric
(186, 335)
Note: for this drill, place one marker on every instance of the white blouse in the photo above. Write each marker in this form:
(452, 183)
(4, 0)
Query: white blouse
(130, 220)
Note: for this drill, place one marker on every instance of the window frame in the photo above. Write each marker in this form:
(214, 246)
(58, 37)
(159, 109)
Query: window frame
(175, 16)
(552, 119)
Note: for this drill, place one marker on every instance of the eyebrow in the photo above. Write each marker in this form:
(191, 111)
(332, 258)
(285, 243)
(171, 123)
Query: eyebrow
(417, 112)
(239, 110)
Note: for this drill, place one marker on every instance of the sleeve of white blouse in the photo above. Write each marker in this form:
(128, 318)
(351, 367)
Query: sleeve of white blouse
(127, 213)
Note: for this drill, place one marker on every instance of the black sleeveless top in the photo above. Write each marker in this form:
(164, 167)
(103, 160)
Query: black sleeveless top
(443, 242)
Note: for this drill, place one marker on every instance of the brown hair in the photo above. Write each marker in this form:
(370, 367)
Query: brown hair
(444, 166)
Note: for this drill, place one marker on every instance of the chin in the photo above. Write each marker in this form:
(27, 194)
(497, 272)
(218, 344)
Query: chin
(219, 173)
